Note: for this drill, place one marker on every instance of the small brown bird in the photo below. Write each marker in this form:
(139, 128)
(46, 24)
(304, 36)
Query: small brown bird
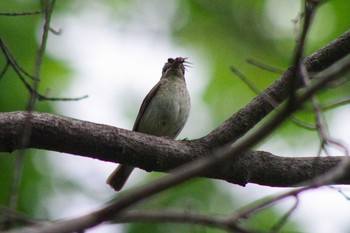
(163, 112)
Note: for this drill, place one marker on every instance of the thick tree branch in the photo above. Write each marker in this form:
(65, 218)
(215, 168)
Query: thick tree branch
(107, 143)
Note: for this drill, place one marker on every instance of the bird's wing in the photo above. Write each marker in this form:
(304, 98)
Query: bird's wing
(145, 104)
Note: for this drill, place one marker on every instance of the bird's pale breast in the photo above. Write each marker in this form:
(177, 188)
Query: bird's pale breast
(168, 111)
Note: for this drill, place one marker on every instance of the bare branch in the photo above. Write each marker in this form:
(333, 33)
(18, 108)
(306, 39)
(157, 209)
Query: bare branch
(285, 217)
(179, 217)
(151, 153)
(4, 70)
(298, 65)
(14, 217)
(264, 66)
(20, 13)
(334, 104)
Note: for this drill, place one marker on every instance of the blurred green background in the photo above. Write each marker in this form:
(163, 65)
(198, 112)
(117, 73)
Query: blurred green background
(221, 34)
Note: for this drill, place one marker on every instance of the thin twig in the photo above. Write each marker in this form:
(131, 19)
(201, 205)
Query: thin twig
(309, 10)
(56, 32)
(16, 217)
(179, 217)
(346, 196)
(4, 70)
(264, 66)
(285, 217)
(12, 61)
(20, 13)
(253, 208)
(334, 104)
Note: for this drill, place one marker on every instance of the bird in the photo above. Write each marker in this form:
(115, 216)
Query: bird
(163, 112)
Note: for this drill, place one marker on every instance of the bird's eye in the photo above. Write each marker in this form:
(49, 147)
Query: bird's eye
(171, 60)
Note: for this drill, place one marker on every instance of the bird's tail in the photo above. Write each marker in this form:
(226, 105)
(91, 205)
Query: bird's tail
(119, 176)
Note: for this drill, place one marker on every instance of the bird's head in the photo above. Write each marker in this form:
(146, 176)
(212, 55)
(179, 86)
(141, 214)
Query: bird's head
(175, 67)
